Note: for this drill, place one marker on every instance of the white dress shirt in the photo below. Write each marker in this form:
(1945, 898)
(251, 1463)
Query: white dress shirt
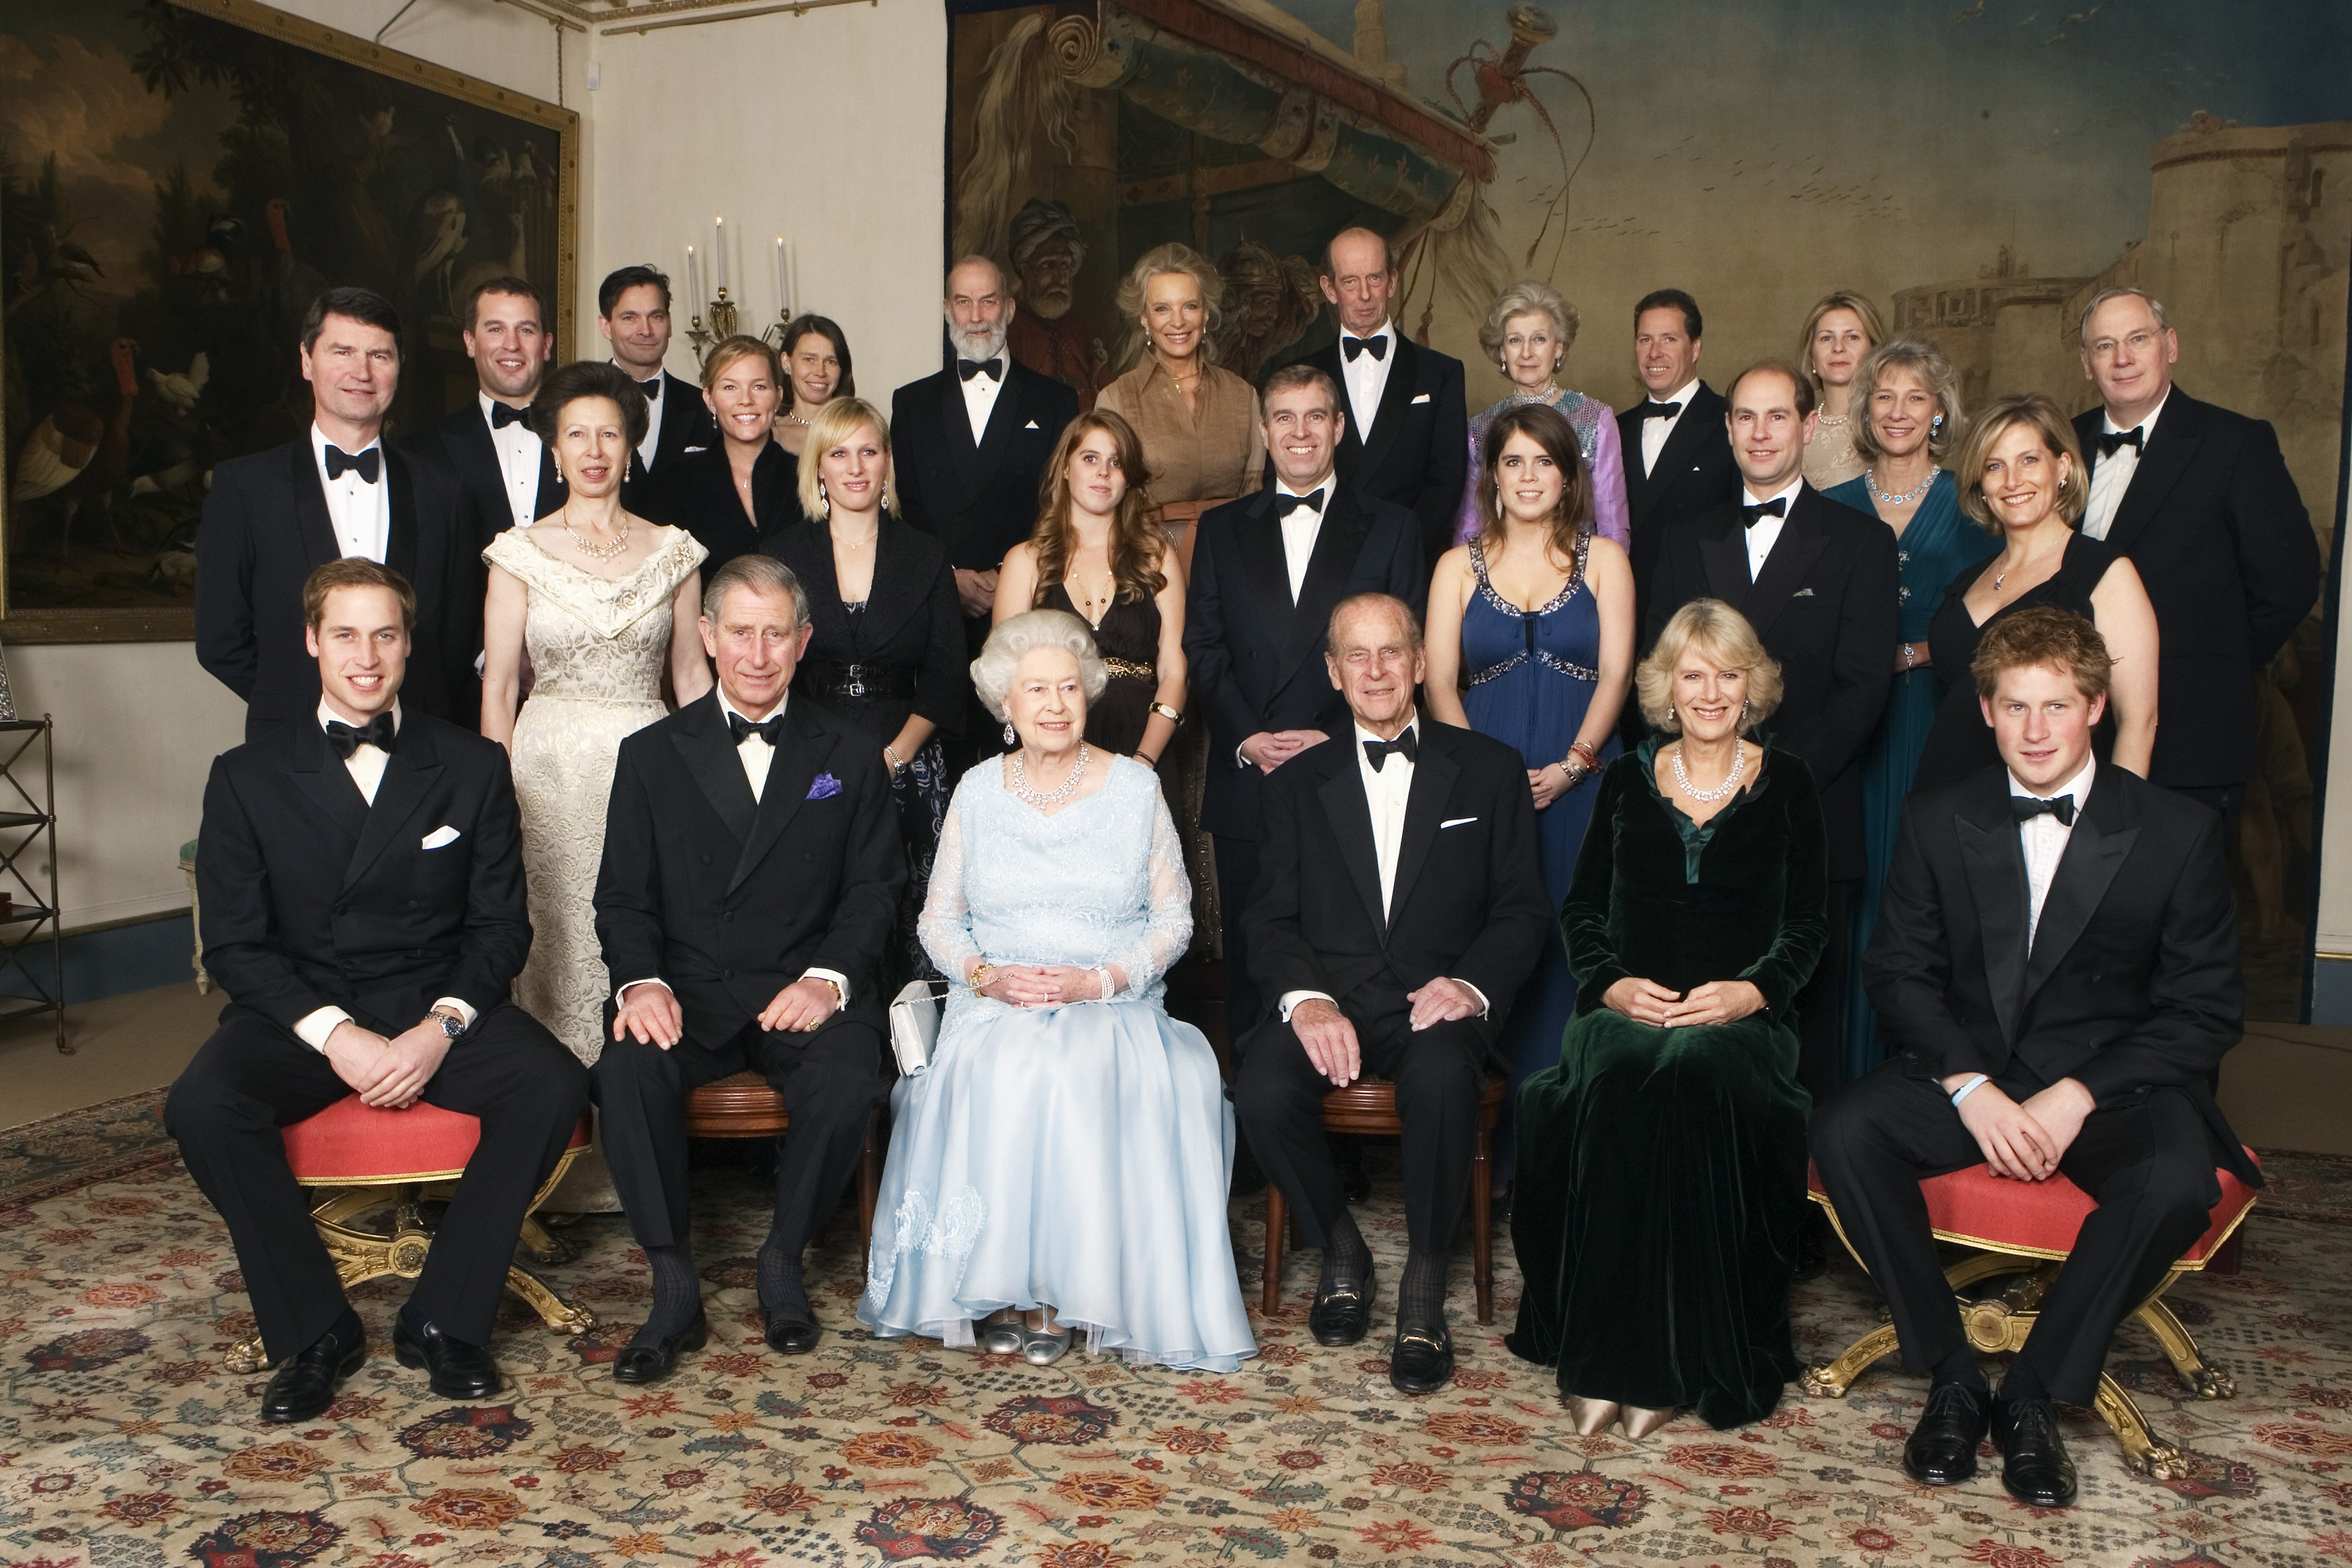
(1766, 532)
(979, 395)
(518, 448)
(1301, 526)
(654, 401)
(1656, 431)
(365, 764)
(2043, 839)
(2111, 475)
(361, 512)
(1367, 378)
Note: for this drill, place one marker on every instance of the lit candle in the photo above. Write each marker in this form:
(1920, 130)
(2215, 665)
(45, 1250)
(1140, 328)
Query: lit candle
(722, 250)
(784, 294)
(693, 284)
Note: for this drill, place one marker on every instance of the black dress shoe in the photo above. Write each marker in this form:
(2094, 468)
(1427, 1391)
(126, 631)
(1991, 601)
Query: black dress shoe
(304, 1384)
(458, 1369)
(649, 1361)
(1342, 1313)
(1422, 1360)
(791, 1328)
(1942, 1451)
(2034, 1466)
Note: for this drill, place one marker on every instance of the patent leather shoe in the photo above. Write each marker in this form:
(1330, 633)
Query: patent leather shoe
(1942, 1450)
(456, 1369)
(1421, 1359)
(1342, 1313)
(2034, 1466)
(304, 1384)
(644, 1360)
(791, 1329)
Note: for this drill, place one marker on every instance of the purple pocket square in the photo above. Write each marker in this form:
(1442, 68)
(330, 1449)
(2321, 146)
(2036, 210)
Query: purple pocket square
(824, 786)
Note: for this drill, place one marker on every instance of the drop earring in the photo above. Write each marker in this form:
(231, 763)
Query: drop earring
(826, 497)
(1009, 738)
(1936, 423)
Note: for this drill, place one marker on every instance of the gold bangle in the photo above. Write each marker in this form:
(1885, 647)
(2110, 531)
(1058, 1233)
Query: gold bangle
(983, 976)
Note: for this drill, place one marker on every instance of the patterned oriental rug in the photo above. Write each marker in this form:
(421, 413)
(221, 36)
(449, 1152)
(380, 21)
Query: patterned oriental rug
(125, 1444)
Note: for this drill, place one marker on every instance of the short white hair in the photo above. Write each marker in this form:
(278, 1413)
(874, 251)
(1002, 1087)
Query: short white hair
(999, 664)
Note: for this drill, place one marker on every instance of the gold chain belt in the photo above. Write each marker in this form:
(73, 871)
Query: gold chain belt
(1129, 667)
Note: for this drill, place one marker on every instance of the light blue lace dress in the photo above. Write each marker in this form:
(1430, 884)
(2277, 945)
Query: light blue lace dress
(1076, 1157)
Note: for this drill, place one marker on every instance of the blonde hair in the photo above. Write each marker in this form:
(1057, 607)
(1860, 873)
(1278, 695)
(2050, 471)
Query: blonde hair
(1721, 635)
(1152, 263)
(839, 419)
(1937, 377)
(742, 345)
(2057, 434)
(1873, 325)
(1529, 297)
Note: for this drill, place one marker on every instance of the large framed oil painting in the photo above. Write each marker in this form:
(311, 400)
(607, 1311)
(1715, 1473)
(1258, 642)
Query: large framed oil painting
(177, 181)
(1977, 168)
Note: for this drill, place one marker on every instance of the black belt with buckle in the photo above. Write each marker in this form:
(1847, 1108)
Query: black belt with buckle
(865, 683)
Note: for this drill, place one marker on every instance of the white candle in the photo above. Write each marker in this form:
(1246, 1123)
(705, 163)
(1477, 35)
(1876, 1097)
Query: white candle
(784, 294)
(720, 223)
(793, 252)
(693, 284)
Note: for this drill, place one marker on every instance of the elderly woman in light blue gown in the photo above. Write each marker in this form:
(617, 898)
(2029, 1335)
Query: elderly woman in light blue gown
(1062, 1164)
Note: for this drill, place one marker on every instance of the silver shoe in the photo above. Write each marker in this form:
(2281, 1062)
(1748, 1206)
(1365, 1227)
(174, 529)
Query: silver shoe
(1044, 1347)
(1000, 1332)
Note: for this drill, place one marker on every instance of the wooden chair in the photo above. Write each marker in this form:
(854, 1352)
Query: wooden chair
(2027, 1228)
(1368, 1106)
(742, 1105)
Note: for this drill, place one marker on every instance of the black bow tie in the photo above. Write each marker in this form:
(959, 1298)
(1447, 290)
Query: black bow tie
(2025, 807)
(1377, 751)
(742, 728)
(1284, 505)
(505, 414)
(1656, 410)
(1777, 507)
(1376, 347)
(652, 389)
(367, 465)
(376, 731)
(991, 368)
(2109, 440)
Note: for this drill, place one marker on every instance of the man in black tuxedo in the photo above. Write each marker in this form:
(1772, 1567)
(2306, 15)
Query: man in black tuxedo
(510, 478)
(633, 315)
(1406, 437)
(750, 884)
(274, 516)
(973, 439)
(1267, 571)
(1817, 581)
(1677, 447)
(2200, 501)
(363, 892)
(2057, 960)
(1399, 899)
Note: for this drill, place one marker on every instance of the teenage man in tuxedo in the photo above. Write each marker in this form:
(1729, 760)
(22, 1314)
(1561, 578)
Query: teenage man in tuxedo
(1817, 581)
(2057, 960)
(750, 883)
(1267, 571)
(633, 315)
(1398, 895)
(973, 439)
(363, 892)
(2200, 501)
(1407, 435)
(1678, 461)
(510, 478)
(274, 516)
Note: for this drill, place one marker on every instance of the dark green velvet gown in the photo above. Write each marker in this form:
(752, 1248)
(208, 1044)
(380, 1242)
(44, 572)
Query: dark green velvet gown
(1662, 1172)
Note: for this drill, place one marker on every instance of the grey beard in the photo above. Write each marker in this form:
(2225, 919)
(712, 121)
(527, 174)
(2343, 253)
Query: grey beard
(989, 347)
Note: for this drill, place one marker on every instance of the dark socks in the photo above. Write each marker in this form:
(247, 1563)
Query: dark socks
(2022, 1383)
(780, 1290)
(1421, 1295)
(1959, 1367)
(347, 1330)
(1346, 1259)
(677, 1292)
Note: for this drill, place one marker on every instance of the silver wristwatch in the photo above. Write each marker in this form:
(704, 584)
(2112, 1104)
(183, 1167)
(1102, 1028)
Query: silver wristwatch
(454, 1027)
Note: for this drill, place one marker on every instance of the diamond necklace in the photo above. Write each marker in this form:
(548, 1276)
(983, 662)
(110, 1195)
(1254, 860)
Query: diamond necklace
(598, 551)
(1051, 798)
(1709, 796)
(1869, 481)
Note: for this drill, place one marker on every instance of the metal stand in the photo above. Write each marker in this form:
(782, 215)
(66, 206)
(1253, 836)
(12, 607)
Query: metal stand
(30, 923)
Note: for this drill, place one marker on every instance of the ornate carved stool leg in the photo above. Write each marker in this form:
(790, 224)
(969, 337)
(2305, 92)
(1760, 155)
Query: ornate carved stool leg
(560, 1316)
(1830, 1379)
(2145, 1453)
(2204, 1381)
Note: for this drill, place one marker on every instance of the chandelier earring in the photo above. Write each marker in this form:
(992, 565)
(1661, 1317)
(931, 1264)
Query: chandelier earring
(1936, 423)
(826, 497)
(1011, 738)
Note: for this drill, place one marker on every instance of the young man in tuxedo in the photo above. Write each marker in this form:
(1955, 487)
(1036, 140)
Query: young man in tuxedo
(1267, 571)
(1817, 581)
(1399, 898)
(2057, 960)
(2200, 501)
(633, 315)
(510, 478)
(1406, 438)
(1679, 463)
(363, 892)
(274, 516)
(750, 883)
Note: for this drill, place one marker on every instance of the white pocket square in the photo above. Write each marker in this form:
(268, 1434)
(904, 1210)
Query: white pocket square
(1031, 425)
(1455, 822)
(1421, 397)
(1802, 593)
(440, 839)
(684, 451)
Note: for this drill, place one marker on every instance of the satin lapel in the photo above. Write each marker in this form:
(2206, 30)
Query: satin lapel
(2095, 853)
(1424, 808)
(1802, 539)
(1351, 821)
(409, 772)
(2166, 459)
(400, 537)
(1266, 569)
(1337, 543)
(1996, 870)
(327, 783)
(1003, 422)
(702, 742)
(1396, 397)
(1722, 552)
(313, 524)
(790, 773)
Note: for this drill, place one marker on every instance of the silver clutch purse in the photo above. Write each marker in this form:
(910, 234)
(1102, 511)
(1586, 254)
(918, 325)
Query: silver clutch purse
(915, 1024)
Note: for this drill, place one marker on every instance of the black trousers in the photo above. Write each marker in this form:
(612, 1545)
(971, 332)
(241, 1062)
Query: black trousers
(1821, 1006)
(1237, 880)
(828, 1082)
(1440, 1074)
(254, 1077)
(2147, 1161)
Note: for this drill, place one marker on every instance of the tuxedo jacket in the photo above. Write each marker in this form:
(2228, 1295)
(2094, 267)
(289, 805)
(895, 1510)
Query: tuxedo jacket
(266, 528)
(687, 426)
(1417, 451)
(912, 625)
(1468, 900)
(1694, 475)
(980, 500)
(728, 899)
(1826, 608)
(2131, 983)
(312, 897)
(698, 494)
(1254, 657)
(2214, 524)
(463, 444)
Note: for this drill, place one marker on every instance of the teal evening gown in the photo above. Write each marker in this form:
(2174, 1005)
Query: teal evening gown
(1938, 544)
(1662, 1172)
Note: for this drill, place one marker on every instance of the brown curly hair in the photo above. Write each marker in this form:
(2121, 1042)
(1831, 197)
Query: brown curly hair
(1137, 545)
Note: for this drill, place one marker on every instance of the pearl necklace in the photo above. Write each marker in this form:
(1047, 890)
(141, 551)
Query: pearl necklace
(599, 551)
(1709, 796)
(1052, 797)
(1870, 482)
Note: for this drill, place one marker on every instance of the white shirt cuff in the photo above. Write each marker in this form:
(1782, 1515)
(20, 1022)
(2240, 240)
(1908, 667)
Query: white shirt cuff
(840, 984)
(312, 1028)
(1240, 760)
(1292, 998)
(466, 1014)
(621, 997)
(1484, 1006)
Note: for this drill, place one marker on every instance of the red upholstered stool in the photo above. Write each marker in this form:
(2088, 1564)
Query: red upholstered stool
(351, 1152)
(2006, 1222)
